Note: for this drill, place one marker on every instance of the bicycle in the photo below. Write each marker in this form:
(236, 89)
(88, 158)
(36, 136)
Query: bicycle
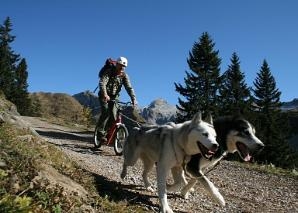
(117, 133)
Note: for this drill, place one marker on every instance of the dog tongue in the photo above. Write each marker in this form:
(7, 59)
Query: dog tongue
(247, 158)
(244, 151)
(210, 152)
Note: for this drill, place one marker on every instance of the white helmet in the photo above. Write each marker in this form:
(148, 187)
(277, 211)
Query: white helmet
(123, 61)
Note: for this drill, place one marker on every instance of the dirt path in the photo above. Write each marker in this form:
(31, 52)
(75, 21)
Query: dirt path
(244, 190)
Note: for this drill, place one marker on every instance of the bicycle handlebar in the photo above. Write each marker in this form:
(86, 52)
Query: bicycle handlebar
(124, 104)
(120, 102)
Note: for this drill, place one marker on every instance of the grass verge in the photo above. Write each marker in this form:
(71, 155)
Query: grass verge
(22, 157)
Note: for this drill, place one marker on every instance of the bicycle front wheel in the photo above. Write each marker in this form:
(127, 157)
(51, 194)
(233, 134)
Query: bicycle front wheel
(121, 135)
(96, 138)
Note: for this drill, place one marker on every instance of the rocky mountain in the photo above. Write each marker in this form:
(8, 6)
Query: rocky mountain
(159, 112)
(88, 99)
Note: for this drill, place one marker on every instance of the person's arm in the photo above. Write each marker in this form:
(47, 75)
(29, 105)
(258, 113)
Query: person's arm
(103, 87)
(129, 89)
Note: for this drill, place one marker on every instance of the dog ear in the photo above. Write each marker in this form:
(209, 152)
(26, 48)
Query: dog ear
(197, 118)
(209, 118)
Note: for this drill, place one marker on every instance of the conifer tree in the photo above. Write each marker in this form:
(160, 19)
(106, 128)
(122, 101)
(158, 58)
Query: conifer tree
(201, 84)
(271, 125)
(21, 96)
(234, 93)
(8, 60)
(13, 75)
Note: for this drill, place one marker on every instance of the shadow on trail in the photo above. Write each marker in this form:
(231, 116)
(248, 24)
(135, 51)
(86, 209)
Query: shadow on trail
(132, 194)
(117, 192)
(85, 136)
(84, 148)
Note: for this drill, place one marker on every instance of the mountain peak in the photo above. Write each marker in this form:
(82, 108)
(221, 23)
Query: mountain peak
(159, 112)
(158, 102)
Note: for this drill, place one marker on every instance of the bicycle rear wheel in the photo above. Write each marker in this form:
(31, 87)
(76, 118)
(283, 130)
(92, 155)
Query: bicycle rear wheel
(121, 135)
(96, 139)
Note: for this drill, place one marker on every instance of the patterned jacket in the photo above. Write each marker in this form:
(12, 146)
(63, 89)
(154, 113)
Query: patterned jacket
(110, 84)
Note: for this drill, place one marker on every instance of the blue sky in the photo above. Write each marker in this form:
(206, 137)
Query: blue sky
(65, 43)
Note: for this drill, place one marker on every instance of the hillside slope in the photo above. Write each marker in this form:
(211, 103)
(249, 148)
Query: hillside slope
(37, 176)
(59, 106)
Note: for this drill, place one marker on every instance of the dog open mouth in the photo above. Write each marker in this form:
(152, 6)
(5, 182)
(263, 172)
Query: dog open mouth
(243, 151)
(204, 151)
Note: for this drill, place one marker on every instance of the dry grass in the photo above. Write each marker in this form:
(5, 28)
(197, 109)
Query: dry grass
(59, 106)
(22, 157)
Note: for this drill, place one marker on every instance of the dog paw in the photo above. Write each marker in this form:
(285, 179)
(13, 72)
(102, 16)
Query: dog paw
(222, 201)
(166, 210)
(185, 195)
(123, 174)
(219, 198)
(150, 189)
(169, 211)
(185, 192)
(172, 188)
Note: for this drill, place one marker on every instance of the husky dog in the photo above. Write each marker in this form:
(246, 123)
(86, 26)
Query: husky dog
(168, 146)
(234, 134)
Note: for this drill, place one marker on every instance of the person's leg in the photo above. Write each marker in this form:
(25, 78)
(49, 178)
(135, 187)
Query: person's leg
(103, 119)
(113, 113)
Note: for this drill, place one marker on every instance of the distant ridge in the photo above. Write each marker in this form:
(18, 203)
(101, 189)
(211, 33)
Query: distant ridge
(290, 106)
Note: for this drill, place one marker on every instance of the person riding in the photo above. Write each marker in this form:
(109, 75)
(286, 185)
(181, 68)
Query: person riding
(110, 84)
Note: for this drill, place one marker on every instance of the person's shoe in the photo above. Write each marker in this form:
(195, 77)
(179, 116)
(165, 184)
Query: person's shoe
(104, 140)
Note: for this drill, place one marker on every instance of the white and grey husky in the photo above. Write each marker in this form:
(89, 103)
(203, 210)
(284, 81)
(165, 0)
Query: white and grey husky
(168, 146)
(234, 134)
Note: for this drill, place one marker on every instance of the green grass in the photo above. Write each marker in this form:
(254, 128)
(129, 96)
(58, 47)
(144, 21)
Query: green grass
(270, 169)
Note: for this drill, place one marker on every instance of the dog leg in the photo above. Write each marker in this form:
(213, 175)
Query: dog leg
(127, 162)
(148, 165)
(161, 185)
(187, 188)
(130, 155)
(179, 179)
(124, 171)
(212, 190)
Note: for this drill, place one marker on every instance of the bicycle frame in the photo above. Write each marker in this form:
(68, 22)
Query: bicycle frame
(113, 128)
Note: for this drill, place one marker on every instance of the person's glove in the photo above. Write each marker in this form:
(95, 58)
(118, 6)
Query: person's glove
(106, 98)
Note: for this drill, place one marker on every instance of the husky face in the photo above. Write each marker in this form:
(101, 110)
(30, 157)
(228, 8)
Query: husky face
(242, 139)
(201, 138)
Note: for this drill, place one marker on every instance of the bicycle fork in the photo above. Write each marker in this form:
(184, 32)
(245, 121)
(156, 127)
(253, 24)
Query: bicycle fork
(111, 132)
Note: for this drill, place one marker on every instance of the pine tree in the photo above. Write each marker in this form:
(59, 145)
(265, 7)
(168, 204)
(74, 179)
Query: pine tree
(202, 83)
(8, 60)
(234, 93)
(21, 96)
(13, 75)
(271, 124)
